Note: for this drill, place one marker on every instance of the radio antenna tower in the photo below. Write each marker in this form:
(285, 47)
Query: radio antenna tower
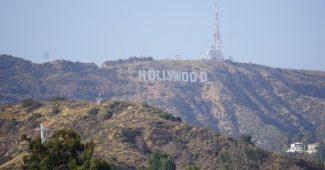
(216, 51)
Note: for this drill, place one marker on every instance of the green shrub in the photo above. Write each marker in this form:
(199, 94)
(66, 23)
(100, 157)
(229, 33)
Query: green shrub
(8, 124)
(245, 140)
(129, 135)
(54, 111)
(168, 116)
(160, 161)
(105, 114)
(224, 156)
(226, 167)
(99, 164)
(56, 98)
(93, 111)
(192, 167)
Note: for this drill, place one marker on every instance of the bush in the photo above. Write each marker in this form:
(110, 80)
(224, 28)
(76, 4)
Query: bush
(192, 167)
(117, 106)
(168, 116)
(31, 104)
(8, 124)
(56, 98)
(93, 111)
(129, 135)
(224, 156)
(160, 161)
(55, 111)
(226, 167)
(245, 140)
(99, 164)
(105, 114)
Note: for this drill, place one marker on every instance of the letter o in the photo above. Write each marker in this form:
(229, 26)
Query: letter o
(185, 76)
(193, 77)
(151, 75)
(203, 77)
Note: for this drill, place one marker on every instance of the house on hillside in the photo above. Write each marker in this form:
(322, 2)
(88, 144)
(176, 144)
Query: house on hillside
(312, 148)
(296, 147)
(300, 148)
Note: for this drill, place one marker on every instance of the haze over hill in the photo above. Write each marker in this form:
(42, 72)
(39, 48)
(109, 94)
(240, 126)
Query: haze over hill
(275, 106)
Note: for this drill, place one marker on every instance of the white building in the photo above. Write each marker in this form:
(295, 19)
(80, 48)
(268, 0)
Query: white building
(312, 148)
(300, 148)
(296, 147)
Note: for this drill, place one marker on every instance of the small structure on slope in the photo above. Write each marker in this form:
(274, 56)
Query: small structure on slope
(42, 130)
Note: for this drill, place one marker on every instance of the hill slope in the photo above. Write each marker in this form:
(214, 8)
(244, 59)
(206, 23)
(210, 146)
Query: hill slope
(274, 106)
(127, 133)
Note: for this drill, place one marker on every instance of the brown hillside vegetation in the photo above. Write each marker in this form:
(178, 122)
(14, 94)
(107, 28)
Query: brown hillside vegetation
(126, 134)
(274, 106)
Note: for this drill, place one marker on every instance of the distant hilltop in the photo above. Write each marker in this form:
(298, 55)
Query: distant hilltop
(275, 106)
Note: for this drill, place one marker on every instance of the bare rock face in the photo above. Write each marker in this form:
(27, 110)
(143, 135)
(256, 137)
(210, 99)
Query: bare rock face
(274, 106)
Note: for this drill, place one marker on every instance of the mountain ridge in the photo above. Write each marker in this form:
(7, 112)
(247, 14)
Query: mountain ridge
(274, 106)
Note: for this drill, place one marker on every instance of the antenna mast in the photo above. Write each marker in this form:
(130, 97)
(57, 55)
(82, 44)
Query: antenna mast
(216, 51)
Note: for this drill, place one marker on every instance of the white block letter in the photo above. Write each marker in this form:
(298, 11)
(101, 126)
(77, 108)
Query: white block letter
(193, 77)
(164, 75)
(151, 75)
(174, 75)
(142, 74)
(185, 76)
(158, 76)
(203, 77)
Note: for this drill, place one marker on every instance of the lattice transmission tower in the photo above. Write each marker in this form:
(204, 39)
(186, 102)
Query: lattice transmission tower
(216, 51)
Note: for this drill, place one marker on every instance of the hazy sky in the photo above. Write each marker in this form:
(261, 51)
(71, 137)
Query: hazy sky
(279, 33)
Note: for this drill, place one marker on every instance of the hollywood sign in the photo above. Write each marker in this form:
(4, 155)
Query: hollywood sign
(172, 75)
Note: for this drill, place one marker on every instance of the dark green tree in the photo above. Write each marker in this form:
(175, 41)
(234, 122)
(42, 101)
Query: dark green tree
(99, 164)
(160, 161)
(62, 151)
(320, 152)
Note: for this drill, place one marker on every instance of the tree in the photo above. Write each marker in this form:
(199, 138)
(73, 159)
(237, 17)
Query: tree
(160, 161)
(63, 150)
(243, 153)
(98, 164)
(320, 152)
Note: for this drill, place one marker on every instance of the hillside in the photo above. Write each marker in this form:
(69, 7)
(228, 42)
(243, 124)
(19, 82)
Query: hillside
(274, 106)
(126, 133)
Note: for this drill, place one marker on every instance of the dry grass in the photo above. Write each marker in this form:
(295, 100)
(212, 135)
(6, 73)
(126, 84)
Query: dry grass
(186, 144)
